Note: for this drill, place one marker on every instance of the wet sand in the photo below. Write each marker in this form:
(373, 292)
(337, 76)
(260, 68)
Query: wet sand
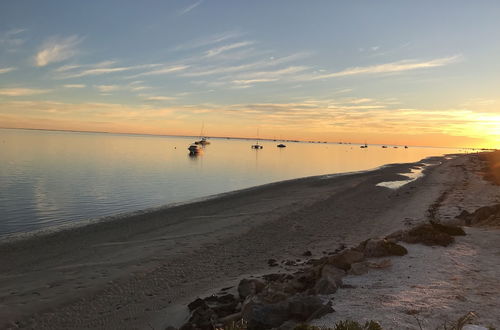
(138, 271)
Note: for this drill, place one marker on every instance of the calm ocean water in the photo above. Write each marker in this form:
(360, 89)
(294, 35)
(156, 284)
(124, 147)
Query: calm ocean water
(52, 178)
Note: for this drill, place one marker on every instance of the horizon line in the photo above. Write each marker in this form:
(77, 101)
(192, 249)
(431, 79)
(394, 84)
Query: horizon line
(238, 138)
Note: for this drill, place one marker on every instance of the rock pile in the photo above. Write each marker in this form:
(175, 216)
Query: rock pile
(283, 300)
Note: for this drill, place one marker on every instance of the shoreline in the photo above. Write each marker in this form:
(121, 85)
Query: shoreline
(149, 263)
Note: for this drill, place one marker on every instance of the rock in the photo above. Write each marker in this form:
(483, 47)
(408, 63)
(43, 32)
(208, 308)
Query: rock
(305, 279)
(307, 254)
(272, 262)
(203, 318)
(170, 328)
(325, 285)
(344, 259)
(198, 302)
(359, 268)
(381, 248)
(261, 315)
(428, 235)
(274, 292)
(230, 318)
(248, 287)
(448, 229)
(305, 307)
(222, 305)
(275, 277)
(330, 280)
(463, 215)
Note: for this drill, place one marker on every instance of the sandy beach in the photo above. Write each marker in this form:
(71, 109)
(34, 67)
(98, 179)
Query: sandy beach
(140, 271)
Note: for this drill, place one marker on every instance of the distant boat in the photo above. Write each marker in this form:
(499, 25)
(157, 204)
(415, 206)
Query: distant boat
(281, 145)
(257, 145)
(395, 147)
(203, 141)
(406, 147)
(194, 149)
(384, 147)
(364, 146)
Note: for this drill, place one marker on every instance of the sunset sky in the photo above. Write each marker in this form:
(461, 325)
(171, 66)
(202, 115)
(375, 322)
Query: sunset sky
(395, 72)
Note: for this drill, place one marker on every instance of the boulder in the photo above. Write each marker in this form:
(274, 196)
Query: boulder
(261, 315)
(344, 259)
(428, 235)
(448, 229)
(248, 287)
(359, 268)
(203, 318)
(381, 248)
(330, 280)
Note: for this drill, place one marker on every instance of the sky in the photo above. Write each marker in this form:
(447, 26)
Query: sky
(388, 72)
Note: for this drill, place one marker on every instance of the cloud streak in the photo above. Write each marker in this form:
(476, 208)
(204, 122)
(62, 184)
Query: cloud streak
(189, 8)
(22, 91)
(400, 66)
(106, 67)
(7, 70)
(57, 49)
(218, 50)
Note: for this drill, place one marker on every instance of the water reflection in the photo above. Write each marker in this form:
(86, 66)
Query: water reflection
(49, 178)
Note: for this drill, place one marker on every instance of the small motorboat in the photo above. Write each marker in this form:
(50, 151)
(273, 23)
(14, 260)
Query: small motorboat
(406, 147)
(257, 146)
(384, 147)
(281, 145)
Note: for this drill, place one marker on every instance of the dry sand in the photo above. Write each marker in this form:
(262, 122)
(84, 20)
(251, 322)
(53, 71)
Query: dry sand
(138, 272)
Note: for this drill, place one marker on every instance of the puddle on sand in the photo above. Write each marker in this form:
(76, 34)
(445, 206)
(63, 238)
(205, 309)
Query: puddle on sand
(412, 176)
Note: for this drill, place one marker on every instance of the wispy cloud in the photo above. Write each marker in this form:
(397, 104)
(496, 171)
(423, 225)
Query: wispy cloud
(11, 40)
(57, 49)
(106, 67)
(400, 66)
(74, 86)
(216, 70)
(159, 98)
(6, 70)
(107, 88)
(189, 8)
(22, 91)
(207, 41)
(162, 70)
(218, 50)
